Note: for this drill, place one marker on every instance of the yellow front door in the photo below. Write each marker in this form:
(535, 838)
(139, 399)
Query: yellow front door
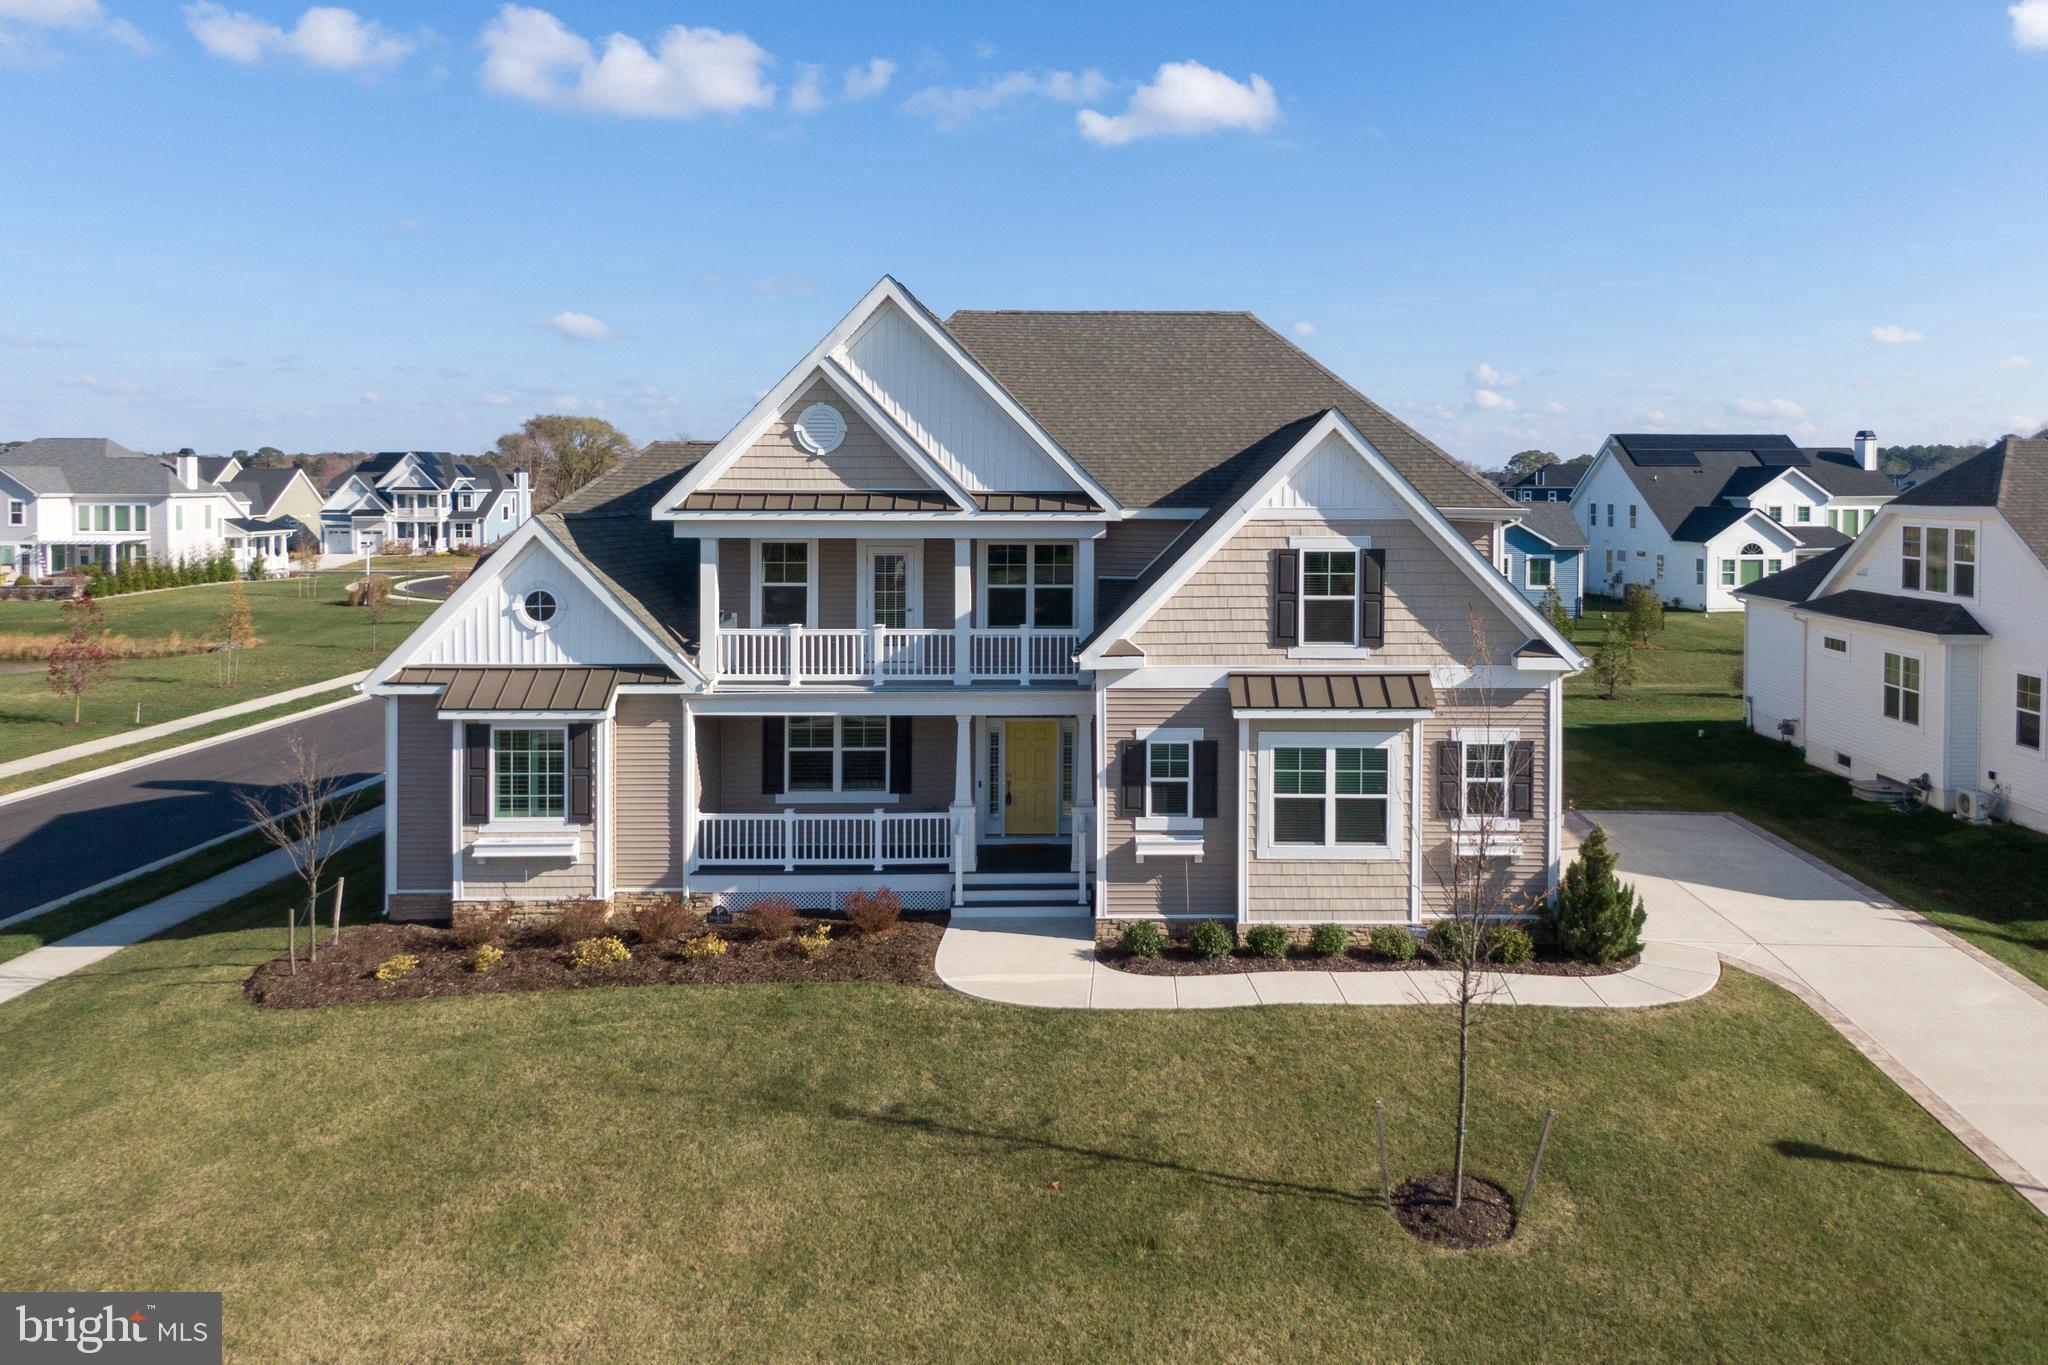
(1032, 768)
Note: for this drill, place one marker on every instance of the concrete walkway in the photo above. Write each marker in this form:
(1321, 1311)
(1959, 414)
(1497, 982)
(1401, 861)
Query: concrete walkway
(103, 940)
(1962, 1033)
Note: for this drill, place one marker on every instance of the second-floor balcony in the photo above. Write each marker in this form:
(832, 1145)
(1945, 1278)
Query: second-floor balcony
(881, 655)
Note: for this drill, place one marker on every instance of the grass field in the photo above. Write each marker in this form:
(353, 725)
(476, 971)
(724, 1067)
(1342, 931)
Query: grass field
(305, 640)
(848, 1172)
(1677, 742)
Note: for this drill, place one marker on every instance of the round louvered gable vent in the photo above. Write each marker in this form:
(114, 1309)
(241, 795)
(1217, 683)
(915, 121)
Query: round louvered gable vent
(820, 428)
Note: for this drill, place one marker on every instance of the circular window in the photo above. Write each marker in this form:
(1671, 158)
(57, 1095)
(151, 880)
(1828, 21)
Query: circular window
(538, 607)
(820, 428)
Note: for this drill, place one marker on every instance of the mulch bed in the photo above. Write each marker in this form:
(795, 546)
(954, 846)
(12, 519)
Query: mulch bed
(1177, 961)
(1423, 1208)
(345, 973)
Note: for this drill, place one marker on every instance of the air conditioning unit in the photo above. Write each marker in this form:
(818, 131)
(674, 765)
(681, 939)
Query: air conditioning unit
(1973, 807)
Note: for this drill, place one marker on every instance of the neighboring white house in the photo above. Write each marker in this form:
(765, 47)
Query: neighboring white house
(1918, 651)
(1696, 517)
(71, 501)
(431, 500)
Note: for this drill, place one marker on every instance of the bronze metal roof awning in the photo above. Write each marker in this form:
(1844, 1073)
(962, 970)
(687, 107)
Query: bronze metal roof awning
(1331, 692)
(1036, 502)
(529, 689)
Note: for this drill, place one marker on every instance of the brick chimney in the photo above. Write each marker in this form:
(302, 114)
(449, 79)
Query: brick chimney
(1866, 450)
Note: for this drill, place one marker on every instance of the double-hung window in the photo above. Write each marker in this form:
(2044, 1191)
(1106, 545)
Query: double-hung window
(1030, 585)
(1902, 688)
(1964, 563)
(1909, 558)
(17, 512)
(1699, 570)
(1777, 514)
(1936, 569)
(1328, 796)
(810, 750)
(529, 778)
(1329, 597)
(1170, 777)
(1631, 516)
(850, 754)
(1938, 559)
(2027, 726)
(1803, 513)
(1486, 780)
(785, 583)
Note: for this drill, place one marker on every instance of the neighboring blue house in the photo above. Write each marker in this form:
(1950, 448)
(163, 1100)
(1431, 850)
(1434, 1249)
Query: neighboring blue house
(1551, 483)
(1547, 547)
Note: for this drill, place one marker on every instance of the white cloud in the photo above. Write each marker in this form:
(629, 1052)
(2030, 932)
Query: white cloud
(496, 400)
(2029, 25)
(866, 82)
(84, 16)
(984, 49)
(326, 36)
(807, 96)
(1485, 376)
(106, 388)
(580, 327)
(1182, 99)
(1766, 407)
(949, 106)
(1486, 400)
(1895, 336)
(372, 398)
(530, 55)
(1304, 329)
(2015, 362)
(782, 284)
(1553, 406)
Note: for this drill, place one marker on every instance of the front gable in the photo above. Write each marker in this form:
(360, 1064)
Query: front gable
(1757, 527)
(1787, 484)
(784, 458)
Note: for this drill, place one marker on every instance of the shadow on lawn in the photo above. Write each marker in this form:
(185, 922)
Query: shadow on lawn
(1813, 1151)
(896, 1117)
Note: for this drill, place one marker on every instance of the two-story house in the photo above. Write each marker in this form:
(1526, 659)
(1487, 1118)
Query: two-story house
(1696, 517)
(70, 502)
(430, 500)
(1550, 483)
(1135, 614)
(1917, 652)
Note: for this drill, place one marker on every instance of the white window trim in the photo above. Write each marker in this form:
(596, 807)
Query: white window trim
(811, 567)
(526, 824)
(17, 512)
(913, 550)
(838, 795)
(1529, 562)
(1393, 741)
(1826, 640)
(1326, 649)
(2039, 712)
(1919, 690)
(1148, 823)
(1030, 585)
(527, 623)
(1507, 739)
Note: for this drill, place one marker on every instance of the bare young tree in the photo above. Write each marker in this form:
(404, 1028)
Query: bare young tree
(308, 830)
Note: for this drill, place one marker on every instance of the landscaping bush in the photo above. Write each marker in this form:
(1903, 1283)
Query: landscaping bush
(1512, 947)
(581, 919)
(368, 592)
(1645, 614)
(772, 920)
(483, 926)
(1329, 940)
(1391, 942)
(700, 949)
(1267, 940)
(815, 942)
(396, 548)
(1596, 917)
(666, 920)
(1450, 940)
(487, 956)
(599, 952)
(1210, 938)
(1142, 938)
(391, 968)
(874, 912)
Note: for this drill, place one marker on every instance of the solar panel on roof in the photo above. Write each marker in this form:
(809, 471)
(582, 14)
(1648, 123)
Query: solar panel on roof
(1667, 458)
(1783, 459)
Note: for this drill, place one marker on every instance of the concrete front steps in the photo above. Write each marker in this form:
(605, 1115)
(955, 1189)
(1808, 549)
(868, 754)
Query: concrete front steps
(1029, 895)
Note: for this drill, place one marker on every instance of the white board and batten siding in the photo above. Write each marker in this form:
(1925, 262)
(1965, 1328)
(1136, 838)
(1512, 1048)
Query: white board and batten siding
(1333, 481)
(971, 436)
(586, 630)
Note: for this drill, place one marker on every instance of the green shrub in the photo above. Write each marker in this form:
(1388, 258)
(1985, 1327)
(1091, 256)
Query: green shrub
(1596, 917)
(1450, 940)
(1329, 940)
(1512, 947)
(599, 952)
(1392, 942)
(1267, 940)
(391, 968)
(1210, 938)
(1142, 938)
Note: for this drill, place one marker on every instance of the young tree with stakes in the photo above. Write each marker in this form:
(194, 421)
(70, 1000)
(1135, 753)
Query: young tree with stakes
(80, 661)
(237, 628)
(305, 823)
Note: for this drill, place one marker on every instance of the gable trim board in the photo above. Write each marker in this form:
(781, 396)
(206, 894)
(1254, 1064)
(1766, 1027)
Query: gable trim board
(1433, 523)
(823, 359)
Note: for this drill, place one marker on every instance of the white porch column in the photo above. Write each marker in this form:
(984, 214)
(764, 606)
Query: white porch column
(690, 796)
(963, 790)
(1084, 587)
(963, 614)
(707, 606)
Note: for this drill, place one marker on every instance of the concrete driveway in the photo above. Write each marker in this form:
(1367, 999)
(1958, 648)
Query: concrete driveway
(1965, 1035)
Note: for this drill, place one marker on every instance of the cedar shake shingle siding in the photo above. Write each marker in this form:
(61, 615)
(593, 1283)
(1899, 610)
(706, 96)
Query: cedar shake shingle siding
(425, 806)
(863, 462)
(1527, 713)
(1224, 612)
(1171, 886)
(647, 826)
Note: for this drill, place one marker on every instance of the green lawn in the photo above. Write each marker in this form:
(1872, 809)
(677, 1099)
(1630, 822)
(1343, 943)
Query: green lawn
(1677, 742)
(846, 1172)
(305, 640)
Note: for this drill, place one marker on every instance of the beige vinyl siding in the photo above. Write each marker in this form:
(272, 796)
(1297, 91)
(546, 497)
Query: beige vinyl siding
(1172, 886)
(540, 879)
(1479, 534)
(1528, 713)
(736, 581)
(938, 584)
(837, 584)
(1127, 548)
(1224, 612)
(729, 750)
(647, 825)
(1329, 888)
(424, 811)
(863, 462)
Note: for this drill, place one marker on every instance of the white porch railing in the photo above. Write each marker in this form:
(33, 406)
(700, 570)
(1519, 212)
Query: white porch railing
(876, 839)
(800, 654)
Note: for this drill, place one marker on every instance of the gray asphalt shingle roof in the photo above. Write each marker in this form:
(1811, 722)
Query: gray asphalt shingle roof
(1680, 475)
(1555, 523)
(2011, 476)
(608, 525)
(88, 465)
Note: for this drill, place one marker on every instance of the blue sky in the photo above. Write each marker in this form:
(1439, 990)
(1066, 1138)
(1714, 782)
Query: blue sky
(394, 226)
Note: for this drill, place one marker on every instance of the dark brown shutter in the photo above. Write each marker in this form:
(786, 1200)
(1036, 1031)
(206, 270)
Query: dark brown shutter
(580, 773)
(1372, 598)
(899, 753)
(1130, 764)
(1450, 776)
(1205, 779)
(1522, 780)
(1286, 597)
(771, 755)
(476, 773)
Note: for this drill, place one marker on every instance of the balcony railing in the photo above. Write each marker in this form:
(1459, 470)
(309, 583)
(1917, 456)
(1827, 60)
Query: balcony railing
(799, 654)
(787, 840)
